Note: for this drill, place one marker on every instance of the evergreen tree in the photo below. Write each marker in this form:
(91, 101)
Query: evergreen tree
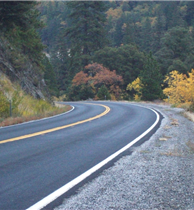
(86, 32)
(64, 67)
(151, 79)
(50, 77)
(54, 15)
(103, 93)
(147, 36)
(128, 34)
(177, 52)
(127, 60)
(159, 29)
(80, 92)
(190, 15)
(21, 14)
(119, 32)
(172, 13)
(19, 23)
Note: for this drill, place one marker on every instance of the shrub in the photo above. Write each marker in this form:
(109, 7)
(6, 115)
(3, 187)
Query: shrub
(4, 105)
(180, 87)
(103, 93)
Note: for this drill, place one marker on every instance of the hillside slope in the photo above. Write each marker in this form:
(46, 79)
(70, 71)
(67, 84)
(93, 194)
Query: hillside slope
(20, 69)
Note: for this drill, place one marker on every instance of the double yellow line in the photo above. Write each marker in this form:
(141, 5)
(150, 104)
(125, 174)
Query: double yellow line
(107, 109)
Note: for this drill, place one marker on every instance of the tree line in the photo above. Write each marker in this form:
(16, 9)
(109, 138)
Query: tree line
(21, 45)
(99, 49)
(144, 40)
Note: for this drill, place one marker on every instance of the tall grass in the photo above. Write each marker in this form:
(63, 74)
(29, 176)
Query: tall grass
(24, 107)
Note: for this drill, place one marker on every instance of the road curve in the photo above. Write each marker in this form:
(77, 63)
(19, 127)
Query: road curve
(32, 168)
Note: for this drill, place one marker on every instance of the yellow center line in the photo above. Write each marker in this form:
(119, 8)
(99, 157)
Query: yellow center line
(107, 109)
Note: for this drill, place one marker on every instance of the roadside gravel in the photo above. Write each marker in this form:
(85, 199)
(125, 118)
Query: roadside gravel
(158, 175)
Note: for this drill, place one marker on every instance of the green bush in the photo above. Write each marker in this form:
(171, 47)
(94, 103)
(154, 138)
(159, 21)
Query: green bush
(4, 105)
(103, 93)
(80, 92)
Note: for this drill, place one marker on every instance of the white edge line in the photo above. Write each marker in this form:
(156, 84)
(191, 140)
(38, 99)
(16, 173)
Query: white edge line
(39, 119)
(48, 199)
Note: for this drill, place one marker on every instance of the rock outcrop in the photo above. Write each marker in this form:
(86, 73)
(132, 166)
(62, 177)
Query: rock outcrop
(19, 68)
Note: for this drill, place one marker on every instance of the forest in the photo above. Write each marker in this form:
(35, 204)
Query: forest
(99, 50)
(118, 50)
(26, 86)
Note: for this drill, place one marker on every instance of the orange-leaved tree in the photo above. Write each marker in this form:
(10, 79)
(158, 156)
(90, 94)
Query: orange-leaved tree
(80, 78)
(97, 75)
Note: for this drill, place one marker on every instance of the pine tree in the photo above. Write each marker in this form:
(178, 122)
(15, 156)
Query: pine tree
(147, 36)
(150, 78)
(177, 50)
(127, 60)
(172, 13)
(13, 13)
(50, 77)
(19, 23)
(190, 15)
(159, 29)
(86, 32)
(103, 93)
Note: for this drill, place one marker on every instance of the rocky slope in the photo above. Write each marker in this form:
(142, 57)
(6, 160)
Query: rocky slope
(20, 69)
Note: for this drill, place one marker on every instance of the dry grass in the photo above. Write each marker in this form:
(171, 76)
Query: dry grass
(189, 115)
(17, 120)
(164, 138)
(59, 105)
(24, 107)
(174, 122)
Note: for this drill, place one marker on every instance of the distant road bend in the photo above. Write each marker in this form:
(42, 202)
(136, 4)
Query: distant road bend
(43, 159)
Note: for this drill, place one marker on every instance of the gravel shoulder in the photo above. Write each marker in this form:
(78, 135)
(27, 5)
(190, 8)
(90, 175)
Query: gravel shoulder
(158, 175)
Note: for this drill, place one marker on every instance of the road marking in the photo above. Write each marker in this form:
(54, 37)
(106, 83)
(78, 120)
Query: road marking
(53, 196)
(107, 109)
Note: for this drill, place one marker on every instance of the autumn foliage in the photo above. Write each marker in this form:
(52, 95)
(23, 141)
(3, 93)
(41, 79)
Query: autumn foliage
(136, 85)
(96, 75)
(180, 87)
(80, 78)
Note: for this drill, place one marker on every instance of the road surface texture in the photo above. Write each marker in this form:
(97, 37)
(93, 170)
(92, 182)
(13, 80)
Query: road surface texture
(35, 166)
(158, 175)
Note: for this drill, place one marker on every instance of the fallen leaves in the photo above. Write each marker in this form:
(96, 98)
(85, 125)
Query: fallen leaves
(175, 122)
(167, 127)
(165, 138)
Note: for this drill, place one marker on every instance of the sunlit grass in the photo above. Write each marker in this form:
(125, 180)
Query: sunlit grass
(16, 120)
(23, 107)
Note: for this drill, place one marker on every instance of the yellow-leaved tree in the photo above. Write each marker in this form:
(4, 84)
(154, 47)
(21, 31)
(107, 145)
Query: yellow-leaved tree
(180, 87)
(136, 85)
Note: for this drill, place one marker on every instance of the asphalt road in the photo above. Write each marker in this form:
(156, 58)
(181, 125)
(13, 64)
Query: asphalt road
(32, 168)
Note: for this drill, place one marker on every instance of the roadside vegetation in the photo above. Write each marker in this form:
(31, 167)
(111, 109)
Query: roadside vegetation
(17, 107)
(178, 89)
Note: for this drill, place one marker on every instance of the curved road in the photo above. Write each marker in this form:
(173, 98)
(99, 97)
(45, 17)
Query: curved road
(34, 167)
